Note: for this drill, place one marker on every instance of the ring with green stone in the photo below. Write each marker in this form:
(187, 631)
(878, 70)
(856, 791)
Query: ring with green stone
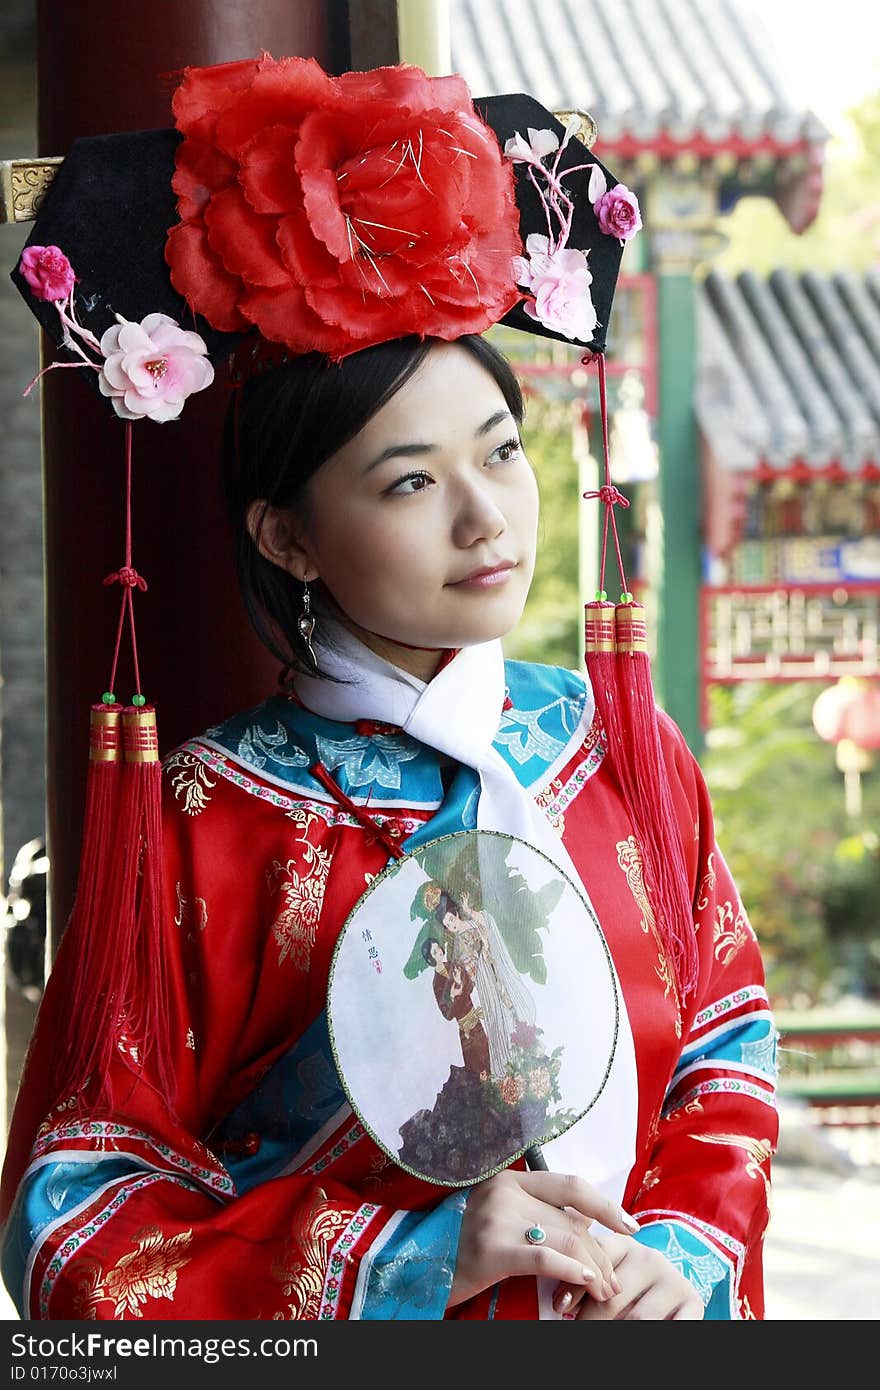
(536, 1235)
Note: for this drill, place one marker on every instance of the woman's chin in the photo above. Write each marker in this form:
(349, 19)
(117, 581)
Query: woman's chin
(490, 617)
(487, 623)
(472, 634)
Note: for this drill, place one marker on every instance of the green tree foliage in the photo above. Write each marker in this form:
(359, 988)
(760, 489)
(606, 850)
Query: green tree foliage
(551, 627)
(808, 874)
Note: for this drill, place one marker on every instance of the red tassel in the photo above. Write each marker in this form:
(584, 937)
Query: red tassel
(120, 991)
(625, 704)
(634, 739)
(75, 1061)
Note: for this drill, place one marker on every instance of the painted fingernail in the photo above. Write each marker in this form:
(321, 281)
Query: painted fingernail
(630, 1222)
(615, 1284)
(562, 1302)
(589, 1275)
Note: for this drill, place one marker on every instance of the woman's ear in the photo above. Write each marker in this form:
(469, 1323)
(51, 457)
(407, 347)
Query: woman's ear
(274, 532)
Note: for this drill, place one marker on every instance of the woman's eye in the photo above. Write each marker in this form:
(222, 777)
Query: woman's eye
(508, 450)
(418, 480)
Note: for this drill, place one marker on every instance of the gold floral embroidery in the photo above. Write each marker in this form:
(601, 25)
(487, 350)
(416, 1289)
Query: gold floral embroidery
(301, 883)
(379, 1171)
(128, 1048)
(731, 932)
(148, 1271)
(88, 1289)
(191, 782)
(301, 1270)
(707, 885)
(49, 1123)
(759, 1151)
(745, 1309)
(190, 1039)
(651, 1179)
(191, 913)
(126, 1045)
(629, 859)
(544, 799)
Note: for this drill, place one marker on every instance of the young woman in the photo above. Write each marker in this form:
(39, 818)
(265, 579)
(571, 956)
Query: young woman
(395, 486)
(369, 228)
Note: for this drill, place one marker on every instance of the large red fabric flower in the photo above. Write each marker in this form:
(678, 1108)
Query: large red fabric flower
(333, 213)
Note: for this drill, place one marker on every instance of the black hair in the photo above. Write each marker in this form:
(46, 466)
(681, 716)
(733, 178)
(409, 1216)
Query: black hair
(281, 426)
(445, 904)
(426, 948)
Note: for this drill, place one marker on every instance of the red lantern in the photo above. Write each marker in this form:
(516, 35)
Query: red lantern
(850, 709)
(848, 715)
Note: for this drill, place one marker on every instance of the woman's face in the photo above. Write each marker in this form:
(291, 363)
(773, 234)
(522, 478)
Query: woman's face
(432, 491)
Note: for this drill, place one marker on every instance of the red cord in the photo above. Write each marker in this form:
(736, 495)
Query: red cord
(129, 578)
(608, 494)
(359, 812)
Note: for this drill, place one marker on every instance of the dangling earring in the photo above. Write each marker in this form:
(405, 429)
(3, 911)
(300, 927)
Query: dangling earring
(306, 625)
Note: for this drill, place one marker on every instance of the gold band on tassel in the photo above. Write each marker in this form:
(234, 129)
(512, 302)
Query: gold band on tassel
(631, 628)
(599, 633)
(140, 736)
(105, 734)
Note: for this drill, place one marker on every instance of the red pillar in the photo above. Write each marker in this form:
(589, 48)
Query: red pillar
(100, 69)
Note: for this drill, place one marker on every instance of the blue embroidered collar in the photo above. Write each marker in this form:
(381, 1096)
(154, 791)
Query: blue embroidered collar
(545, 719)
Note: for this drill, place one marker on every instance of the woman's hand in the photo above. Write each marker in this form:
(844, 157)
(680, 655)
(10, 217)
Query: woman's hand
(500, 1210)
(650, 1288)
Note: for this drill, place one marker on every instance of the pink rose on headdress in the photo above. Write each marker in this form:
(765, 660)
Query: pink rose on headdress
(618, 212)
(332, 213)
(151, 367)
(560, 283)
(48, 272)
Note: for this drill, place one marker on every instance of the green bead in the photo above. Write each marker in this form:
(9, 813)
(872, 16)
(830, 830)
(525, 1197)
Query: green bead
(138, 699)
(601, 596)
(108, 698)
(626, 598)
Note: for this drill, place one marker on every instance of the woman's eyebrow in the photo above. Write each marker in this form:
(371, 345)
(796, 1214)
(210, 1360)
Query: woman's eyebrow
(408, 450)
(492, 421)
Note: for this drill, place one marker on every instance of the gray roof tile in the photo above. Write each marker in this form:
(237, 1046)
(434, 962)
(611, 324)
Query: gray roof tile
(641, 67)
(807, 348)
(865, 311)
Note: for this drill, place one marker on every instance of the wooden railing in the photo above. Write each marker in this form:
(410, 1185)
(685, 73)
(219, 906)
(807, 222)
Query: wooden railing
(832, 1064)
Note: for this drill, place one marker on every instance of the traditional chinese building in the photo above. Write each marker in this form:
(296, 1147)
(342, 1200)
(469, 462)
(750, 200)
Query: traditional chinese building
(747, 411)
(788, 406)
(690, 113)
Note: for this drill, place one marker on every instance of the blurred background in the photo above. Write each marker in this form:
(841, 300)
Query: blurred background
(744, 371)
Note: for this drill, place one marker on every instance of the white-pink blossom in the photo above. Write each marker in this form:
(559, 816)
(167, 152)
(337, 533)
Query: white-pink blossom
(150, 368)
(559, 280)
(533, 150)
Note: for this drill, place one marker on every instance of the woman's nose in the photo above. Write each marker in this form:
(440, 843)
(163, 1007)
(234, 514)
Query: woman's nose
(478, 516)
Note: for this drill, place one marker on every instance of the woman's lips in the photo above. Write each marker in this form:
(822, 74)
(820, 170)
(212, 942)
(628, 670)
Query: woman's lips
(486, 579)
